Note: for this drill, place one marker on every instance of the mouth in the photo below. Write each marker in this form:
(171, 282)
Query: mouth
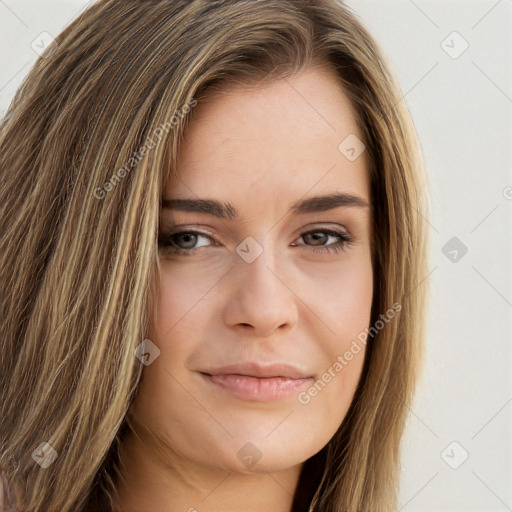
(260, 370)
(255, 383)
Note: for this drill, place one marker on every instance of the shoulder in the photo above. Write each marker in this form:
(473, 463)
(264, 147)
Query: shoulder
(7, 500)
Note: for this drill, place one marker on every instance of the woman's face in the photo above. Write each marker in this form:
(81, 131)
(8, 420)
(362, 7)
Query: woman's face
(265, 279)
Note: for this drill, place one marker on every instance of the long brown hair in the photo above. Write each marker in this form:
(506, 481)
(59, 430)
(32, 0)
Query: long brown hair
(79, 210)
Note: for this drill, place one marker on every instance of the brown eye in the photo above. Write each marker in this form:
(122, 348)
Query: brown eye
(316, 238)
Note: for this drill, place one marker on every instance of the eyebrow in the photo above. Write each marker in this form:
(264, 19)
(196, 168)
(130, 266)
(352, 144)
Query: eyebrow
(228, 211)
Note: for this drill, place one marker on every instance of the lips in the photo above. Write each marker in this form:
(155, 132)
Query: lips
(258, 383)
(251, 369)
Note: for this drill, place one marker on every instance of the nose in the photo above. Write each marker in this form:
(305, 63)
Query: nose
(260, 301)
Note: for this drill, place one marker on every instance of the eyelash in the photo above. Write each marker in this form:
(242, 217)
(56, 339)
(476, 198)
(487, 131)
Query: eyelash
(165, 240)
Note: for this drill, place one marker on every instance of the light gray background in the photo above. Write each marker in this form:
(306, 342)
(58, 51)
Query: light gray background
(462, 108)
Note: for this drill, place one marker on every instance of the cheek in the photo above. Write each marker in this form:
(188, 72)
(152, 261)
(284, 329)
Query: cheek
(180, 295)
(326, 402)
(342, 302)
(343, 298)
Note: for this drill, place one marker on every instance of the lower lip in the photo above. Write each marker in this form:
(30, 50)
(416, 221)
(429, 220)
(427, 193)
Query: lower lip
(254, 389)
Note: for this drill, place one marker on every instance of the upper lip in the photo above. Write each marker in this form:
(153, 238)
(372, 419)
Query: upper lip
(253, 369)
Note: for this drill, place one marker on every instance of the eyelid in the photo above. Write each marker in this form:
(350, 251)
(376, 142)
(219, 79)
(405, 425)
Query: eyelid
(324, 226)
(311, 227)
(328, 231)
(166, 235)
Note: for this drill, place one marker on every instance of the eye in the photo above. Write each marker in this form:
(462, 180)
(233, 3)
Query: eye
(184, 242)
(326, 240)
(188, 242)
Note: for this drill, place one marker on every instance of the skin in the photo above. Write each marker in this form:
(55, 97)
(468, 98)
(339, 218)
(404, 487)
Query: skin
(259, 149)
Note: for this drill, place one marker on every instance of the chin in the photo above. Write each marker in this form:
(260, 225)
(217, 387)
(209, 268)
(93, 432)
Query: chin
(258, 455)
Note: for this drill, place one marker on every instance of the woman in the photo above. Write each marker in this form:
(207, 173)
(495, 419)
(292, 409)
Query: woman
(213, 253)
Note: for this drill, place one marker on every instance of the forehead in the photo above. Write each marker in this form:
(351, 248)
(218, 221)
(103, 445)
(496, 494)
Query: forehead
(284, 135)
